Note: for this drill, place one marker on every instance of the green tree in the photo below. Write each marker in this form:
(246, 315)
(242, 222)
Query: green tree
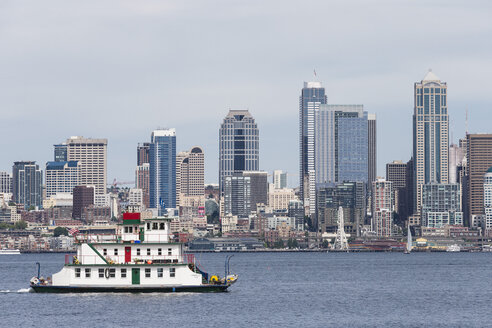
(60, 231)
(324, 244)
(31, 208)
(20, 225)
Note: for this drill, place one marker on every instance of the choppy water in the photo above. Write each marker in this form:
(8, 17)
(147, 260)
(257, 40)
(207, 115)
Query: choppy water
(283, 290)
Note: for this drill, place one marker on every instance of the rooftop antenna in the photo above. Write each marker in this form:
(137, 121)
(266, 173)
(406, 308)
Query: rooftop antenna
(315, 75)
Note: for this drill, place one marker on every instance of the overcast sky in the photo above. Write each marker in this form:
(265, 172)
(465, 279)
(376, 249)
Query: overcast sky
(119, 69)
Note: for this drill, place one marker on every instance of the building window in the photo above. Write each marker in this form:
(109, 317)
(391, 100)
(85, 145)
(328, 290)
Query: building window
(147, 273)
(148, 251)
(159, 251)
(162, 226)
(112, 273)
(123, 273)
(172, 272)
(138, 251)
(148, 225)
(77, 272)
(116, 251)
(105, 252)
(130, 229)
(169, 251)
(88, 273)
(126, 229)
(101, 273)
(160, 272)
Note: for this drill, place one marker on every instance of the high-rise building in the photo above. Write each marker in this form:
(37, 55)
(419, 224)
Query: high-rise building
(487, 201)
(142, 181)
(83, 196)
(259, 187)
(279, 199)
(396, 172)
(27, 181)
(190, 173)
(430, 134)
(143, 153)
(60, 152)
(92, 157)
(162, 174)
(5, 182)
(135, 197)
(456, 160)
(382, 215)
(61, 177)
(312, 96)
(279, 179)
(372, 147)
(441, 205)
(237, 195)
(479, 160)
(239, 145)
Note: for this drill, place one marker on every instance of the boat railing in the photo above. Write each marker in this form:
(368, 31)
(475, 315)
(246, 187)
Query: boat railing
(127, 238)
(136, 259)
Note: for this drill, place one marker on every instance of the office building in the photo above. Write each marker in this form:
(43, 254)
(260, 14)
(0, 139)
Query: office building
(259, 187)
(430, 134)
(142, 181)
(279, 199)
(135, 197)
(239, 145)
(61, 177)
(441, 205)
(143, 153)
(83, 196)
(237, 195)
(92, 157)
(383, 205)
(372, 148)
(190, 173)
(162, 174)
(27, 181)
(279, 179)
(5, 182)
(60, 152)
(312, 96)
(487, 200)
(457, 157)
(396, 172)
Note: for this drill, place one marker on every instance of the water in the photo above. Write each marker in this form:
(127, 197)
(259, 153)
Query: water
(283, 290)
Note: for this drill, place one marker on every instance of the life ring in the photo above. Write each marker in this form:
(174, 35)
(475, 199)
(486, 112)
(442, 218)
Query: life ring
(34, 281)
(75, 260)
(214, 279)
(106, 273)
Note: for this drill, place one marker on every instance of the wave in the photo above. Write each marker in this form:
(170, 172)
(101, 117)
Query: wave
(22, 290)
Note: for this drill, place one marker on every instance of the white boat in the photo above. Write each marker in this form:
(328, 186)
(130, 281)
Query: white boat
(453, 248)
(408, 249)
(486, 248)
(141, 257)
(6, 251)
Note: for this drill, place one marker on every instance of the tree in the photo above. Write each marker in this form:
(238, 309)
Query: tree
(60, 231)
(20, 225)
(31, 208)
(324, 244)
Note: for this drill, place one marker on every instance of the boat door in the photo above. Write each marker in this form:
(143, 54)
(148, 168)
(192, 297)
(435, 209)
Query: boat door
(128, 254)
(135, 276)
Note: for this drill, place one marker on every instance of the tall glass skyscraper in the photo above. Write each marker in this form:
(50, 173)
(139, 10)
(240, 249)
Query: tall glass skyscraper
(312, 96)
(27, 180)
(430, 134)
(239, 145)
(162, 175)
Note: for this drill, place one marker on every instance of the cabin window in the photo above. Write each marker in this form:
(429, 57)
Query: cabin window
(162, 226)
(155, 226)
(160, 272)
(159, 251)
(77, 272)
(112, 273)
(148, 251)
(172, 272)
(116, 251)
(126, 229)
(138, 251)
(147, 273)
(130, 229)
(101, 273)
(105, 252)
(169, 251)
(88, 273)
(148, 225)
(123, 273)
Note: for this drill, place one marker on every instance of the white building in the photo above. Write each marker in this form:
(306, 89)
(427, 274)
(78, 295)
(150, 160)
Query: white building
(279, 179)
(487, 199)
(278, 199)
(135, 197)
(275, 221)
(61, 177)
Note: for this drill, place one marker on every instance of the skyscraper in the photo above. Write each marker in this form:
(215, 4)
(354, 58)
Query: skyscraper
(487, 200)
(239, 145)
(61, 177)
(5, 182)
(396, 172)
(142, 181)
(312, 96)
(92, 157)
(162, 174)
(27, 180)
(190, 172)
(83, 196)
(60, 152)
(372, 147)
(143, 153)
(430, 134)
(382, 198)
(237, 194)
(279, 179)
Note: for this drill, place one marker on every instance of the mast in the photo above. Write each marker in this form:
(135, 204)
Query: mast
(409, 239)
(341, 238)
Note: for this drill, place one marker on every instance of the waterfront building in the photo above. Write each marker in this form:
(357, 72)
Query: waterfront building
(441, 205)
(383, 206)
(83, 196)
(279, 179)
(487, 200)
(143, 153)
(430, 134)
(312, 96)
(479, 160)
(238, 145)
(27, 181)
(60, 152)
(237, 195)
(372, 147)
(279, 199)
(162, 170)
(92, 157)
(5, 182)
(190, 173)
(142, 182)
(61, 177)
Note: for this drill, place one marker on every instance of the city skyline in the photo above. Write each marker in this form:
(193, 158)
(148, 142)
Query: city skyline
(135, 84)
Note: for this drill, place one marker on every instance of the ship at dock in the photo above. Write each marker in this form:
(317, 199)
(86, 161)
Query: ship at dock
(141, 257)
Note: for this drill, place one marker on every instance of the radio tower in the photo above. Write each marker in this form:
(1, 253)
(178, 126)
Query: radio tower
(341, 239)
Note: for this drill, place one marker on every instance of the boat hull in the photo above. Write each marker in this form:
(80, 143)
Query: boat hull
(122, 289)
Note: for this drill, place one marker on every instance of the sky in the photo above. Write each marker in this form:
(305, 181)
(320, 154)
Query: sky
(119, 69)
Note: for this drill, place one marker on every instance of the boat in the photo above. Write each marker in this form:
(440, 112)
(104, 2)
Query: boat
(141, 257)
(6, 251)
(486, 248)
(408, 249)
(453, 248)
